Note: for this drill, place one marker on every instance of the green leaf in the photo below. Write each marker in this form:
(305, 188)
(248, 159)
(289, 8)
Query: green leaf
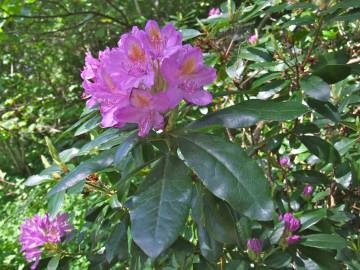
(278, 259)
(312, 217)
(311, 177)
(331, 67)
(158, 213)
(326, 109)
(214, 215)
(229, 174)
(45, 176)
(189, 33)
(250, 112)
(117, 245)
(55, 203)
(321, 148)
(109, 134)
(255, 54)
(88, 125)
(318, 259)
(315, 87)
(125, 148)
(209, 247)
(53, 263)
(323, 241)
(98, 163)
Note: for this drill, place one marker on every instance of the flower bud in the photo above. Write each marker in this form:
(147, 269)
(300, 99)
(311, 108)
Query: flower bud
(292, 224)
(293, 239)
(214, 12)
(285, 162)
(308, 189)
(255, 245)
(252, 39)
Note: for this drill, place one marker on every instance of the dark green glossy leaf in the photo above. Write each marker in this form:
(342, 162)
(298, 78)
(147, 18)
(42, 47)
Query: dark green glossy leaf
(250, 112)
(326, 109)
(311, 177)
(88, 125)
(228, 173)
(321, 148)
(98, 163)
(159, 211)
(315, 87)
(323, 241)
(209, 247)
(318, 259)
(312, 217)
(333, 73)
(278, 259)
(55, 203)
(117, 245)
(107, 135)
(125, 148)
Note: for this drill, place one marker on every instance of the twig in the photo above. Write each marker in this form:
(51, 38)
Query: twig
(64, 15)
(312, 46)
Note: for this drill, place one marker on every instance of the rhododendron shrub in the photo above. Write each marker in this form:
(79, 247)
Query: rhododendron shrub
(204, 149)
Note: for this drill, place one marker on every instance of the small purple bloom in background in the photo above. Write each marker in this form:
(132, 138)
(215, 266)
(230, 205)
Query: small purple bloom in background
(292, 224)
(255, 245)
(308, 189)
(252, 39)
(37, 231)
(285, 162)
(293, 239)
(214, 12)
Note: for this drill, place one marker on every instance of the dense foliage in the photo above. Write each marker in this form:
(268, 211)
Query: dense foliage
(266, 176)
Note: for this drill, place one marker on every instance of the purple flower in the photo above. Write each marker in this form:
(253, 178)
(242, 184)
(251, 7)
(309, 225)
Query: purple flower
(255, 245)
(214, 12)
(36, 232)
(285, 162)
(308, 189)
(147, 74)
(187, 74)
(292, 224)
(293, 239)
(252, 39)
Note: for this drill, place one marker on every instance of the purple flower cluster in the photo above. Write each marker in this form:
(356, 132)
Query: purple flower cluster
(292, 224)
(146, 75)
(38, 231)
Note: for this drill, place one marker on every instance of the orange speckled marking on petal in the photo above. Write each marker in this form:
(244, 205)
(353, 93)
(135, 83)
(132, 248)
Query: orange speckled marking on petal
(109, 82)
(188, 67)
(155, 34)
(136, 53)
(139, 100)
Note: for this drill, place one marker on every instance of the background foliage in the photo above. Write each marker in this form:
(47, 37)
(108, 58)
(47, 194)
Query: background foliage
(295, 92)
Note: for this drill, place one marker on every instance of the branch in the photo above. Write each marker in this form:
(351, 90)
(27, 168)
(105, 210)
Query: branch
(120, 11)
(95, 13)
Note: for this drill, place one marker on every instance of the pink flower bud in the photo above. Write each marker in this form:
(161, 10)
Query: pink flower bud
(255, 245)
(252, 39)
(308, 189)
(292, 224)
(293, 239)
(214, 12)
(285, 162)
